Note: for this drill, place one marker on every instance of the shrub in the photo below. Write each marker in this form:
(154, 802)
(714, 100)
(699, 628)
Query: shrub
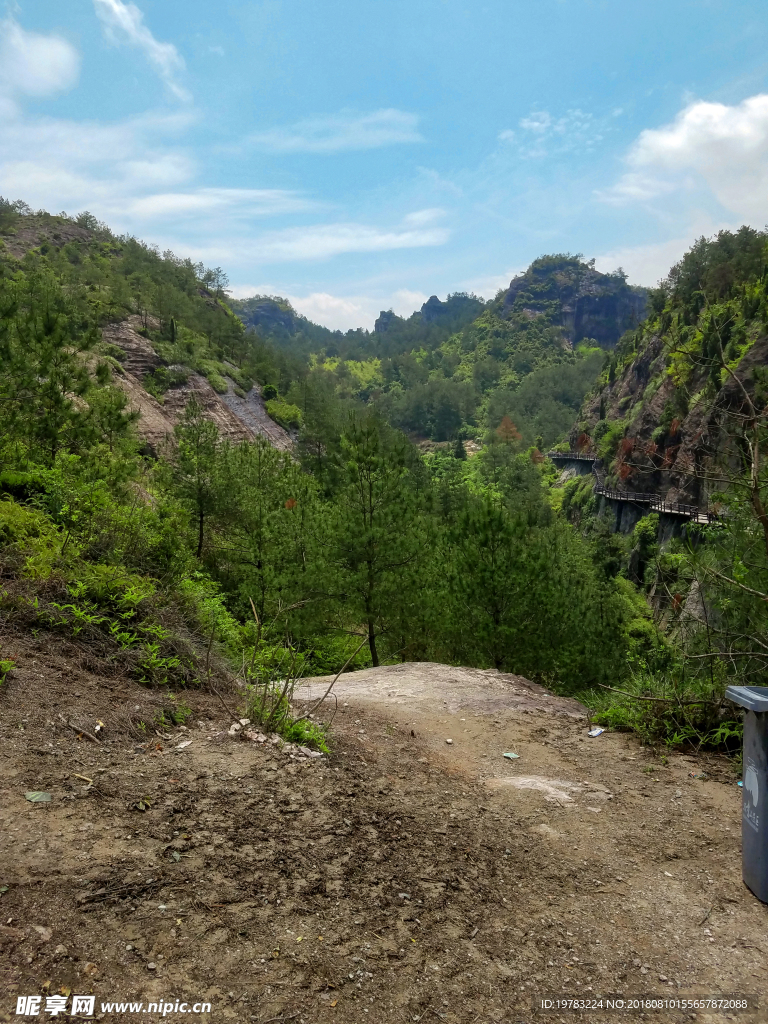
(608, 444)
(217, 382)
(284, 413)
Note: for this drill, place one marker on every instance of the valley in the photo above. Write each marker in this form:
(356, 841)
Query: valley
(379, 674)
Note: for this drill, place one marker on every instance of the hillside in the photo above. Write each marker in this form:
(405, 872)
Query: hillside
(165, 333)
(456, 368)
(660, 414)
(144, 474)
(453, 369)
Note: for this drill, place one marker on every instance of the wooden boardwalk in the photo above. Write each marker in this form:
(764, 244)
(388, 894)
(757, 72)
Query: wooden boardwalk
(654, 502)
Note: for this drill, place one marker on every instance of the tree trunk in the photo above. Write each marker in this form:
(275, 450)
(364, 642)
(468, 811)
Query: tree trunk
(372, 644)
(200, 534)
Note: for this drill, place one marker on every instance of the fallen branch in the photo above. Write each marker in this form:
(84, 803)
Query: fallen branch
(660, 700)
(79, 731)
(232, 715)
(333, 682)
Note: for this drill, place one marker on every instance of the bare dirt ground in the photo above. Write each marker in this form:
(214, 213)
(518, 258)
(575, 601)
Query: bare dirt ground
(401, 879)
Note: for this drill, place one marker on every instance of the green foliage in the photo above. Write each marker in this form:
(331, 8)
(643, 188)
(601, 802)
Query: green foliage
(218, 383)
(194, 467)
(47, 391)
(284, 413)
(526, 597)
(216, 554)
(6, 667)
(377, 529)
(175, 712)
(306, 734)
(609, 440)
(662, 711)
(274, 672)
(463, 364)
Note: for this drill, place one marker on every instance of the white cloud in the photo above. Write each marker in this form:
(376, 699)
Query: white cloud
(323, 241)
(344, 131)
(124, 23)
(635, 186)
(489, 285)
(219, 50)
(241, 202)
(436, 183)
(405, 302)
(543, 134)
(725, 147)
(34, 65)
(344, 313)
(419, 218)
(335, 311)
(539, 121)
(57, 164)
(648, 264)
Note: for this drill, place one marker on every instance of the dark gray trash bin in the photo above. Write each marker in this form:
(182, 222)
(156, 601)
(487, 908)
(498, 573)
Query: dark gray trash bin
(754, 806)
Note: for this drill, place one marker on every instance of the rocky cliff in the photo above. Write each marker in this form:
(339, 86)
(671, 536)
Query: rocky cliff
(685, 392)
(240, 417)
(582, 301)
(267, 314)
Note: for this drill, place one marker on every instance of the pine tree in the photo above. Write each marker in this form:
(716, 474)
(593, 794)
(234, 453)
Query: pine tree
(378, 531)
(459, 451)
(196, 467)
(48, 396)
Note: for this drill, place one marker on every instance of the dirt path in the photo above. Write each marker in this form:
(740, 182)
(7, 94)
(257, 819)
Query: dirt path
(403, 878)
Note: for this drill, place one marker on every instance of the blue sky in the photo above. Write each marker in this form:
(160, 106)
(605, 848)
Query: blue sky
(360, 156)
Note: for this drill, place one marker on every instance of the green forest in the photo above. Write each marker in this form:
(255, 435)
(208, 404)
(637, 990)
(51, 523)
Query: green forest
(453, 370)
(207, 559)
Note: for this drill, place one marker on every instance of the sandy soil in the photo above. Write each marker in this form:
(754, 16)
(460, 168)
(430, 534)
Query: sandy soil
(402, 878)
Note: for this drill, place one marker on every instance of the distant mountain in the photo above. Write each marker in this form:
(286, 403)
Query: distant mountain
(579, 299)
(457, 367)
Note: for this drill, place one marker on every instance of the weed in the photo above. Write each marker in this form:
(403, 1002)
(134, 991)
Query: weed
(153, 668)
(274, 673)
(179, 711)
(306, 734)
(6, 667)
(122, 636)
(79, 617)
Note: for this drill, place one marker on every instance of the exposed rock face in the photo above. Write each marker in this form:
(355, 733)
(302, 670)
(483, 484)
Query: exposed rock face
(676, 463)
(592, 305)
(432, 309)
(385, 320)
(240, 419)
(30, 233)
(459, 307)
(267, 313)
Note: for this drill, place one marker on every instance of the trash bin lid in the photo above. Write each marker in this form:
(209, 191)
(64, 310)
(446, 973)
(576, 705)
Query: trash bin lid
(753, 698)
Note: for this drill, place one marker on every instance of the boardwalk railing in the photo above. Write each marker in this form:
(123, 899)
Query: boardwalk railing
(571, 456)
(657, 504)
(654, 502)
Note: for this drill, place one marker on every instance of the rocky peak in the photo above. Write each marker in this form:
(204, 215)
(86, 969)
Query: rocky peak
(591, 304)
(386, 319)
